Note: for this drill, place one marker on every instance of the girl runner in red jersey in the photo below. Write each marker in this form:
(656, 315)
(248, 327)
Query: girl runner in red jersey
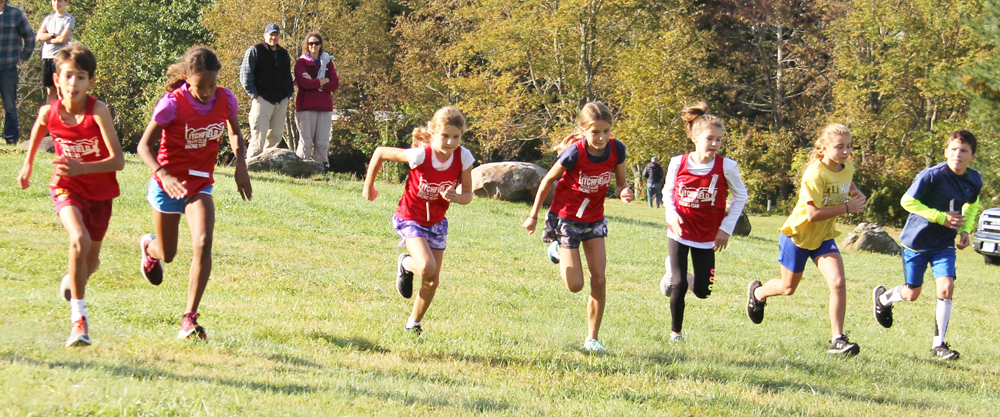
(189, 121)
(436, 173)
(695, 199)
(83, 183)
(587, 159)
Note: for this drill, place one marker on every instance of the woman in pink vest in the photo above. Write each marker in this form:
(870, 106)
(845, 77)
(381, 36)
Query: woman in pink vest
(587, 160)
(190, 122)
(694, 195)
(436, 173)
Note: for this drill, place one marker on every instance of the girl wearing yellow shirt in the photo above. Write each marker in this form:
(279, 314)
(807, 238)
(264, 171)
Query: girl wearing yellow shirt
(826, 192)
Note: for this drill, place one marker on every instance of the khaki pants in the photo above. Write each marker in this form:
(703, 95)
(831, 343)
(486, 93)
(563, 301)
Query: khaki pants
(314, 135)
(267, 125)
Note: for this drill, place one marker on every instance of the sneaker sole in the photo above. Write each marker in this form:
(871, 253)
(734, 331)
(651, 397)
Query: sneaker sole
(750, 290)
(80, 341)
(64, 288)
(402, 281)
(875, 295)
(142, 254)
(181, 334)
(852, 351)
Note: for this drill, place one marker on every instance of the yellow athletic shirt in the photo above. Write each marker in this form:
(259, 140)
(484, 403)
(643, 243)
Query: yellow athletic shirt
(823, 188)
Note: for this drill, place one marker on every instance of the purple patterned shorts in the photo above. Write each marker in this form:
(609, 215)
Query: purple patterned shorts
(436, 235)
(570, 233)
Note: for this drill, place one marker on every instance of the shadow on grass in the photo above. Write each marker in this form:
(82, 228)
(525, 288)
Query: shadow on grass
(145, 373)
(638, 222)
(356, 343)
(291, 360)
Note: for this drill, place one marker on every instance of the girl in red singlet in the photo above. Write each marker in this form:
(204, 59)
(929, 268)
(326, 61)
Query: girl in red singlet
(189, 122)
(440, 174)
(695, 199)
(83, 183)
(587, 159)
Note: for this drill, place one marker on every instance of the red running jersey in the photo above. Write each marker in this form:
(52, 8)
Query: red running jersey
(581, 191)
(422, 201)
(700, 200)
(189, 147)
(85, 143)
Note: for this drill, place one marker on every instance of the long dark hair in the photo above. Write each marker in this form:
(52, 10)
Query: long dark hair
(196, 59)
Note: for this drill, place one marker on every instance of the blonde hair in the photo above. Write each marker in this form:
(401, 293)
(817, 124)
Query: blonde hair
(446, 116)
(696, 118)
(591, 113)
(830, 133)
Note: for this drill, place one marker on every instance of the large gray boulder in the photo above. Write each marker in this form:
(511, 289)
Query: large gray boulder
(509, 181)
(872, 238)
(45, 145)
(285, 162)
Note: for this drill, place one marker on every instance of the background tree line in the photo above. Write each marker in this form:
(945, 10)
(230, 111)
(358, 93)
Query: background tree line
(901, 73)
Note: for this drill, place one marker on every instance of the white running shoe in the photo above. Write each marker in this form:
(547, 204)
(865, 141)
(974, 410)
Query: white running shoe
(594, 346)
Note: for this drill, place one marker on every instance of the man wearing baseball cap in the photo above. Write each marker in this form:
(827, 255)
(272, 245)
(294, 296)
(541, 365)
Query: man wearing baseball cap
(266, 75)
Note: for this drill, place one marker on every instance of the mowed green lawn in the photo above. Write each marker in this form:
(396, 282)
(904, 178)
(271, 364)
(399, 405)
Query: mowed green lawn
(303, 319)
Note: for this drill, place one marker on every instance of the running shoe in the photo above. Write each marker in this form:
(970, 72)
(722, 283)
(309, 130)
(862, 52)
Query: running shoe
(64, 288)
(78, 334)
(416, 329)
(755, 307)
(842, 346)
(676, 337)
(404, 278)
(190, 327)
(152, 269)
(665, 285)
(944, 353)
(553, 252)
(883, 313)
(594, 346)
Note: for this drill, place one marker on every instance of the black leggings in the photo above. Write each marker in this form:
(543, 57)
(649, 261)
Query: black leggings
(704, 277)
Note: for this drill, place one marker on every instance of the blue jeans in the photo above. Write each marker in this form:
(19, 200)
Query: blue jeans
(8, 90)
(654, 191)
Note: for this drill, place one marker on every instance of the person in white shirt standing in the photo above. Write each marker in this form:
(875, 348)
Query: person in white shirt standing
(55, 33)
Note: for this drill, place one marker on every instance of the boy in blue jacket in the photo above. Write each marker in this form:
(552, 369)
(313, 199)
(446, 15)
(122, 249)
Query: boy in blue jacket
(934, 200)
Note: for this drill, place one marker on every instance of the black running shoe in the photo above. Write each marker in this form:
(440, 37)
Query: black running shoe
(416, 329)
(883, 313)
(755, 307)
(842, 346)
(404, 278)
(944, 353)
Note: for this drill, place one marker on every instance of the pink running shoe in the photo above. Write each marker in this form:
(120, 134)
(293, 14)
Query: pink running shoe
(78, 335)
(152, 269)
(190, 327)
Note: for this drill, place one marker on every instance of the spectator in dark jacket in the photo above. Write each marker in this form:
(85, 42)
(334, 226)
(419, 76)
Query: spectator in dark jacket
(266, 75)
(317, 79)
(17, 41)
(654, 181)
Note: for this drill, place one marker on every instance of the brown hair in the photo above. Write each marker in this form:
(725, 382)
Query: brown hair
(591, 113)
(79, 55)
(446, 116)
(305, 44)
(830, 132)
(696, 117)
(963, 136)
(196, 59)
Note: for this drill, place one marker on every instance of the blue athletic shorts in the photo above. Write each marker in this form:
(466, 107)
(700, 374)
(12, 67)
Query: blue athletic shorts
(794, 258)
(915, 265)
(163, 203)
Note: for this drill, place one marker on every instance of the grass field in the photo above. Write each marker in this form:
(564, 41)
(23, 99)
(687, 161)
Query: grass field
(303, 319)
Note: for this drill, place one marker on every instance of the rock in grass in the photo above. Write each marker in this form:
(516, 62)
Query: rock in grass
(872, 238)
(284, 161)
(508, 181)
